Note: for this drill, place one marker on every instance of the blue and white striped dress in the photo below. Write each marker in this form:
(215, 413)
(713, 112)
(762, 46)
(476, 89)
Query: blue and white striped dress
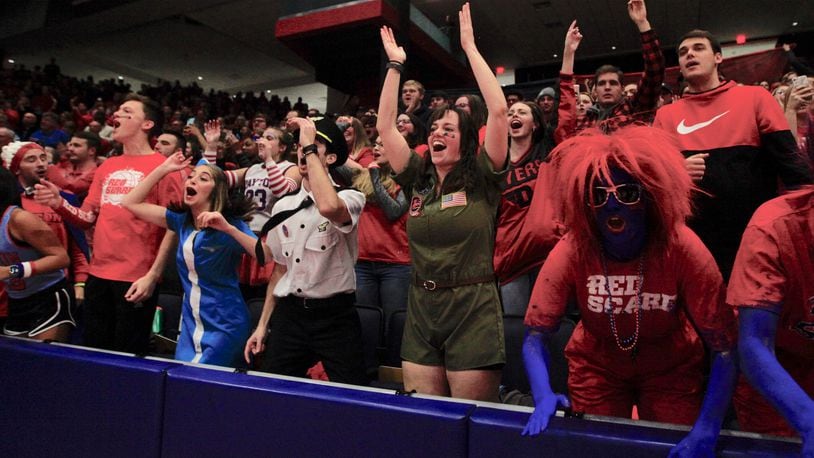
(214, 319)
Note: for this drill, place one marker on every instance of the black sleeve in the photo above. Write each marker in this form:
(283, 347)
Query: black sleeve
(792, 168)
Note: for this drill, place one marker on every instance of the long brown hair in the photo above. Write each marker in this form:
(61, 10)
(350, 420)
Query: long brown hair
(230, 205)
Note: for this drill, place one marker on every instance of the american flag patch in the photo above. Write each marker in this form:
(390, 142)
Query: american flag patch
(456, 199)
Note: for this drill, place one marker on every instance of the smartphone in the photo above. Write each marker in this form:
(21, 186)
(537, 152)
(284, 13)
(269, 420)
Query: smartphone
(801, 80)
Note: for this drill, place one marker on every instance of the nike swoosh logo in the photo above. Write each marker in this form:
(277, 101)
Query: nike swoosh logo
(685, 129)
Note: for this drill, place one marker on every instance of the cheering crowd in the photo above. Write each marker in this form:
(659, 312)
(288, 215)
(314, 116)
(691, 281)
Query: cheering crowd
(676, 227)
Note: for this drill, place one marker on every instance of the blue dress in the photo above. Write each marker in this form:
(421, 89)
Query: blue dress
(214, 318)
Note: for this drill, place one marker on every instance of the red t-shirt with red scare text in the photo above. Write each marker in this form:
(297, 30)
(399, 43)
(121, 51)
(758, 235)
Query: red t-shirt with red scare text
(682, 275)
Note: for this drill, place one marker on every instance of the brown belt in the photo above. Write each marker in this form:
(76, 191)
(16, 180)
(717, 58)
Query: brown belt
(432, 285)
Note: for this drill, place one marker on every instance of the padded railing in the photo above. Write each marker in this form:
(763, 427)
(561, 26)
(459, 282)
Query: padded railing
(58, 400)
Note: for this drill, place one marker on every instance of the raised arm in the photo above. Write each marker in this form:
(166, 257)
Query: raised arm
(326, 198)
(650, 84)
(396, 149)
(47, 193)
(496, 142)
(134, 200)
(393, 207)
(567, 109)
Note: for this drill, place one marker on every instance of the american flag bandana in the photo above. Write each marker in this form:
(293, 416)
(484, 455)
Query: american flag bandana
(456, 199)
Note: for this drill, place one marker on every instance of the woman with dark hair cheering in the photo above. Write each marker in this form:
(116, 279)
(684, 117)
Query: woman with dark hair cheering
(453, 337)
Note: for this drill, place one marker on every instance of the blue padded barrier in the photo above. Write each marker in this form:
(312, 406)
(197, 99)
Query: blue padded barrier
(63, 401)
(215, 413)
(496, 432)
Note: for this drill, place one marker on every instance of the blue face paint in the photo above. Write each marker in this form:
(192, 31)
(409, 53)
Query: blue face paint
(623, 226)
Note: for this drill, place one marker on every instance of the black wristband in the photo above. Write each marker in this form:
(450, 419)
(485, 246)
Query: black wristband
(310, 149)
(395, 65)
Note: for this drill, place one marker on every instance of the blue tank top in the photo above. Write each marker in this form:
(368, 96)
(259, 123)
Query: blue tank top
(12, 253)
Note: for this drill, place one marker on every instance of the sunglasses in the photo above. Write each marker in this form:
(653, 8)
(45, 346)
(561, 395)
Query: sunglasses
(628, 194)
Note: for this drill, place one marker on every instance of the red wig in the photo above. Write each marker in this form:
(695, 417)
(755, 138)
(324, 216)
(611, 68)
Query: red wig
(649, 155)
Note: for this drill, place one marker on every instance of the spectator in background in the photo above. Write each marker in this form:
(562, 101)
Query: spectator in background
(413, 131)
(613, 109)
(369, 123)
(27, 126)
(513, 96)
(473, 105)
(412, 98)
(359, 150)
(259, 124)
(6, 136)
(49, 133)
(383, 265)
(99, 126)
(169, 143)
(630, 91)
(438, 99)
(666, 95)
(263, 185)
(76, 174)
(757, 151)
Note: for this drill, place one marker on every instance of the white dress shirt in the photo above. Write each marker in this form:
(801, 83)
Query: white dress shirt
(318, 254)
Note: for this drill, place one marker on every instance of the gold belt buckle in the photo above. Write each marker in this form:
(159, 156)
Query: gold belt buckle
(429, 285)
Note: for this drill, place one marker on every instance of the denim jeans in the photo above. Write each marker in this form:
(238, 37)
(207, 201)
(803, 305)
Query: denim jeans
(383, 285)
(516, 293)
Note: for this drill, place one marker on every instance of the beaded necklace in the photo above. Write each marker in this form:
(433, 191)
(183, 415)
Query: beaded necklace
(626, 343)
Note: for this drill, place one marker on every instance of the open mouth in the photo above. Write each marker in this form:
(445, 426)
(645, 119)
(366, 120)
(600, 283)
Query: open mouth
(191, 192)
(615, 224)
(691, 64)
(376, 155)
(438, 146)
(516, 124)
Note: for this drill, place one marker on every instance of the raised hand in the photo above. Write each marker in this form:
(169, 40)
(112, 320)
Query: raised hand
(573, 37)
(638, 14)
(175, 162)
(307, 128)
(799, 97)
(391, 48)
(467, 32)
(212, 130)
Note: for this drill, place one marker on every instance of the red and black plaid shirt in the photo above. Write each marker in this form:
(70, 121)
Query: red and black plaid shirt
(642, 108)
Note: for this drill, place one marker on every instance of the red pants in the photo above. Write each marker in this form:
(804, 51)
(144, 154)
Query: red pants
(665, 380)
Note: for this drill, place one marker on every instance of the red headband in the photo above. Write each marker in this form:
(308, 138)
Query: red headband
(14, 167)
